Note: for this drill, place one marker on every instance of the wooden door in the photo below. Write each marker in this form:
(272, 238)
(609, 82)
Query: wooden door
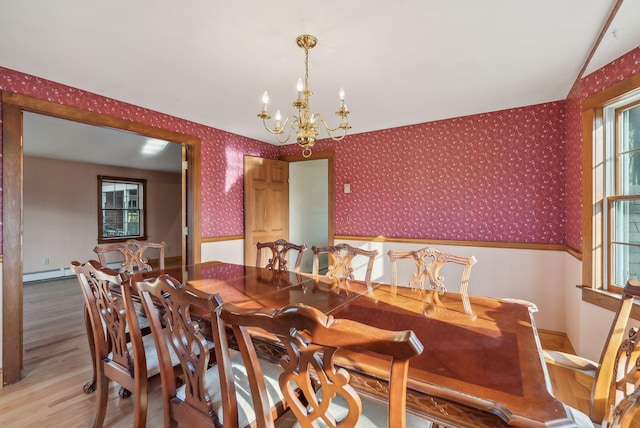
(266, 204)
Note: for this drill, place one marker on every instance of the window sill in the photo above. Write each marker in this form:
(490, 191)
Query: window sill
(607, 300)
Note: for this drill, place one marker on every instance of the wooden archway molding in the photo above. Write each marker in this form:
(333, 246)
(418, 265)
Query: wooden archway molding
(13, 105)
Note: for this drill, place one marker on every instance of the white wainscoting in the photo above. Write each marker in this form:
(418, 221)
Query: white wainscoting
(224, 251)
(533, 275)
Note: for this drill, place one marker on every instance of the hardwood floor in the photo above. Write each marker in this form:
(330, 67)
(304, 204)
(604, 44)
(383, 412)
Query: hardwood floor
(57, 365)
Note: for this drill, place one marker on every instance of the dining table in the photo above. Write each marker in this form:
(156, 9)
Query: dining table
(482, 363)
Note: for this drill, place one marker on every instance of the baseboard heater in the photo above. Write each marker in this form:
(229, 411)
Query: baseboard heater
(45, 275)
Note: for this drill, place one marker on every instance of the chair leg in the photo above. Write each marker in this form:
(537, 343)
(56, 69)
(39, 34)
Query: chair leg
(140, 406)
(90, 386)
(102, 397)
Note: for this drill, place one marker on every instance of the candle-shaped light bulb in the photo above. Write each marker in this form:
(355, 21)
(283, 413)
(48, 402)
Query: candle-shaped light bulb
(341, 93)
(278, 117)
(265, 100)
(300, 87)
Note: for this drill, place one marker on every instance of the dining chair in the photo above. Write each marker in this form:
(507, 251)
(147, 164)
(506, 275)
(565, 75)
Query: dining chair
(613, 378)
(134, 252)
(215, 392)
(311, 341)
(279, 251)
(133, 255)
(428, 262)
(340, 261)
(121, 353)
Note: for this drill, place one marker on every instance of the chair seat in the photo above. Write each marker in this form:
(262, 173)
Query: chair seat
(246, 414)
(374, 414)
(151, 356)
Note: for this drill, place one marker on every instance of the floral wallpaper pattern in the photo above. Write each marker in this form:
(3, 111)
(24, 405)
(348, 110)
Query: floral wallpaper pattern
(573, 141)
(496, 176)
(614, 72)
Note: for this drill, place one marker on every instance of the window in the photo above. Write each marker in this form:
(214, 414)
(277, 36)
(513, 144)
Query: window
(121, 214)
(621, 188)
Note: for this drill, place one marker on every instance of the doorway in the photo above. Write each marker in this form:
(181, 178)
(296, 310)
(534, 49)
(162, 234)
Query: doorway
(13, 107)
(61, 161)
(309, 207)
(311, 202)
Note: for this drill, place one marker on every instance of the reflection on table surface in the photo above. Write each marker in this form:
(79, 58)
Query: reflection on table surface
(259, 287)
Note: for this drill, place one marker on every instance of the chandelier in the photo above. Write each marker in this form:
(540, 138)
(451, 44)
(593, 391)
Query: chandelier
(304, 124)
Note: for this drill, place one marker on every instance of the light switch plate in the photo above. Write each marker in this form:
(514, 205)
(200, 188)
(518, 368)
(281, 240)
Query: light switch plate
(347, 188)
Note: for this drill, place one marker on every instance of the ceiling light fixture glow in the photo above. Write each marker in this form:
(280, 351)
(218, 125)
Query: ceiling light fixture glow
(153, 146)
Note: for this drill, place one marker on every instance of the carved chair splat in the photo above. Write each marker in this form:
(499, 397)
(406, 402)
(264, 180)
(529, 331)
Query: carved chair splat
(133, 252)
(341, 258)
(428, 262)
(279, 252)
(311, 340)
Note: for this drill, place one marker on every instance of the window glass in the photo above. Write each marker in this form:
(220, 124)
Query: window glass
(121, 208)
(623, 194)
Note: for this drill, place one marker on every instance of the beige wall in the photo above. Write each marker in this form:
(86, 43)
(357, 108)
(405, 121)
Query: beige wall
(60, 210)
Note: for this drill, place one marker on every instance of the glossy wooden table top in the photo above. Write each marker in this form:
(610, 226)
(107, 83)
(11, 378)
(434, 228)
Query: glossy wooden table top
(479, 351)
(481, 365)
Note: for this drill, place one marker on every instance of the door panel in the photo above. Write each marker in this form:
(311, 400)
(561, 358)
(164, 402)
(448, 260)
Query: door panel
(266, 203)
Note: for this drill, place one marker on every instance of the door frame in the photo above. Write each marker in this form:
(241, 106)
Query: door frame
(13, 105)
(324, 154)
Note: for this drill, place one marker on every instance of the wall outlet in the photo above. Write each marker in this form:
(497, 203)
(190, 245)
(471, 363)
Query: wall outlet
(45, 261)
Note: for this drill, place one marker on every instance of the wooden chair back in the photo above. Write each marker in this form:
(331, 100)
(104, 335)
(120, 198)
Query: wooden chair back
(340, 261)
(311, 340)
(170, 308)
(279, 252)
(133, 252)
(618, 373)
(428, 262)
(614, 379)
(209, 396)
(627, 413)
(117, 339)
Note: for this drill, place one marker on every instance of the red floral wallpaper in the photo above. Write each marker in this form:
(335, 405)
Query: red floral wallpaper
(573, 188)
(614, 72)
(496, 176)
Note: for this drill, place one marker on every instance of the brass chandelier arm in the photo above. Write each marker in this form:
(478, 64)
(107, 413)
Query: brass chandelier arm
(343, 125)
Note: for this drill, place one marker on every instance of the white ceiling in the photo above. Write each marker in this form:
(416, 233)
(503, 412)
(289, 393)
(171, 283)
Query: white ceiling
(401, 62)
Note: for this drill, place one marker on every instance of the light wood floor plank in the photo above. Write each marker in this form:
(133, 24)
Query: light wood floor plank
(57, 365)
